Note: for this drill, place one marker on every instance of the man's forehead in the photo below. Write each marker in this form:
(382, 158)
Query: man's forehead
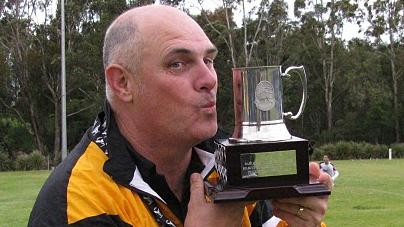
(170, 31)
(172, 40)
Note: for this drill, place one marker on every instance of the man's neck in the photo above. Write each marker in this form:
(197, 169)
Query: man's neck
(171, 157)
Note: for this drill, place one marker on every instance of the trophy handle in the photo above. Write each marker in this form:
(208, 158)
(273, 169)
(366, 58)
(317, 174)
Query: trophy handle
(303, 79)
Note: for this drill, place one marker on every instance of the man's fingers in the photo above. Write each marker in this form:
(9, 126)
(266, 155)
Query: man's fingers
(203, 213)
(298, 211)
(326, 179)
(314, 171)
(307, 211)
(293, 220)
(197, 188)
(304, 211)
(313, 202)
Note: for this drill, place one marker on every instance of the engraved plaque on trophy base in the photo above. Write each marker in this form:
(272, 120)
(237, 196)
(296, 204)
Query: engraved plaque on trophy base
(251, 171)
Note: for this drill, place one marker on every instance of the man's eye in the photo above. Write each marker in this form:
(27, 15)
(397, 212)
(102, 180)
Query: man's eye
(176, 65)
(208, 61)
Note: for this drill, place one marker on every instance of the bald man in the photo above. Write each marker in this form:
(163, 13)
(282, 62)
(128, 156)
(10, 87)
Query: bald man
(138, 165)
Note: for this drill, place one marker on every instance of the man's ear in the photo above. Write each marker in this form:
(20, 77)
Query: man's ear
(118, 80)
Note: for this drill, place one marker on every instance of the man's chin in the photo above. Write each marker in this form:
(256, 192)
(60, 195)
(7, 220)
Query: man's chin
(206, 133)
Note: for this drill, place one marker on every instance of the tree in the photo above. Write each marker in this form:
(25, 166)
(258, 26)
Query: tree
(221, 22)
(243, 42)
(366, 101)
(270, 41)
(387, 18)
(16, 40)
(326, 19)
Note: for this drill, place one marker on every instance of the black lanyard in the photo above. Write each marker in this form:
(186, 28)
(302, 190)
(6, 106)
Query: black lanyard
(155, 210)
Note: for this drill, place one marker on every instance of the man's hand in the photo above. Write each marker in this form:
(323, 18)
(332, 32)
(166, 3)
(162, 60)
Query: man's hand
(202, 213)
(305, 211)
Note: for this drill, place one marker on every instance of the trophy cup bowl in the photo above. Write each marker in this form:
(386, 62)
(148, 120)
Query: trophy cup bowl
(262, 160)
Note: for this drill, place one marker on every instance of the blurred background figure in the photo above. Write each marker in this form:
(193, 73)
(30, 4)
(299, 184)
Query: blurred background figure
(328, 167)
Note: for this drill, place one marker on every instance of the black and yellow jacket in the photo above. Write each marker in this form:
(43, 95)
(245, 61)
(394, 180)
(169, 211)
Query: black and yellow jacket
(102, 183)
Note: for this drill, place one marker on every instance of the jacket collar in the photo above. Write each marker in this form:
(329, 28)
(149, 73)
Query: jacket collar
(120, 164)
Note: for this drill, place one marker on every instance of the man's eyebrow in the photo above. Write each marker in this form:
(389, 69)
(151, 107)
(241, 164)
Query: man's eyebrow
(212, 50)
(179, 51)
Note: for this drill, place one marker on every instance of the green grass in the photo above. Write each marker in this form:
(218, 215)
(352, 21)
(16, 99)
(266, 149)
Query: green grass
(18, 191)
(367, 193)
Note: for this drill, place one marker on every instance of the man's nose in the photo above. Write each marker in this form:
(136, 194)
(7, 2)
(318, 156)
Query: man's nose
(206, 77)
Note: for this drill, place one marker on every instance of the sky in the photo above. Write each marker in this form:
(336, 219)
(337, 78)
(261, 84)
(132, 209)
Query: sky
(350, 30)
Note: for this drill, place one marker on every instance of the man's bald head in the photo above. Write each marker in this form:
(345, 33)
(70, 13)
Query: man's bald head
(121, 41)
(124, 38)
(134, 31)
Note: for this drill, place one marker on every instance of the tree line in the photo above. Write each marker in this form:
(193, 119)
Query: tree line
(354, 87)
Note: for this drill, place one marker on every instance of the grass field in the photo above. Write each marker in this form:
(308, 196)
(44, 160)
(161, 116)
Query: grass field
(367, 193)
(18, 191)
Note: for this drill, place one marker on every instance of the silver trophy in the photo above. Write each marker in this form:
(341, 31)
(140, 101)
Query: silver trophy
(258, 108)
(262, 159)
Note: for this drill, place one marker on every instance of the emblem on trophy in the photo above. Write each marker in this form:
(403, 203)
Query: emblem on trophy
(264, 96)
(262, 160)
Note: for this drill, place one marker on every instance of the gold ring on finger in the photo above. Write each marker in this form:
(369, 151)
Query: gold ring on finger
(299, 212)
